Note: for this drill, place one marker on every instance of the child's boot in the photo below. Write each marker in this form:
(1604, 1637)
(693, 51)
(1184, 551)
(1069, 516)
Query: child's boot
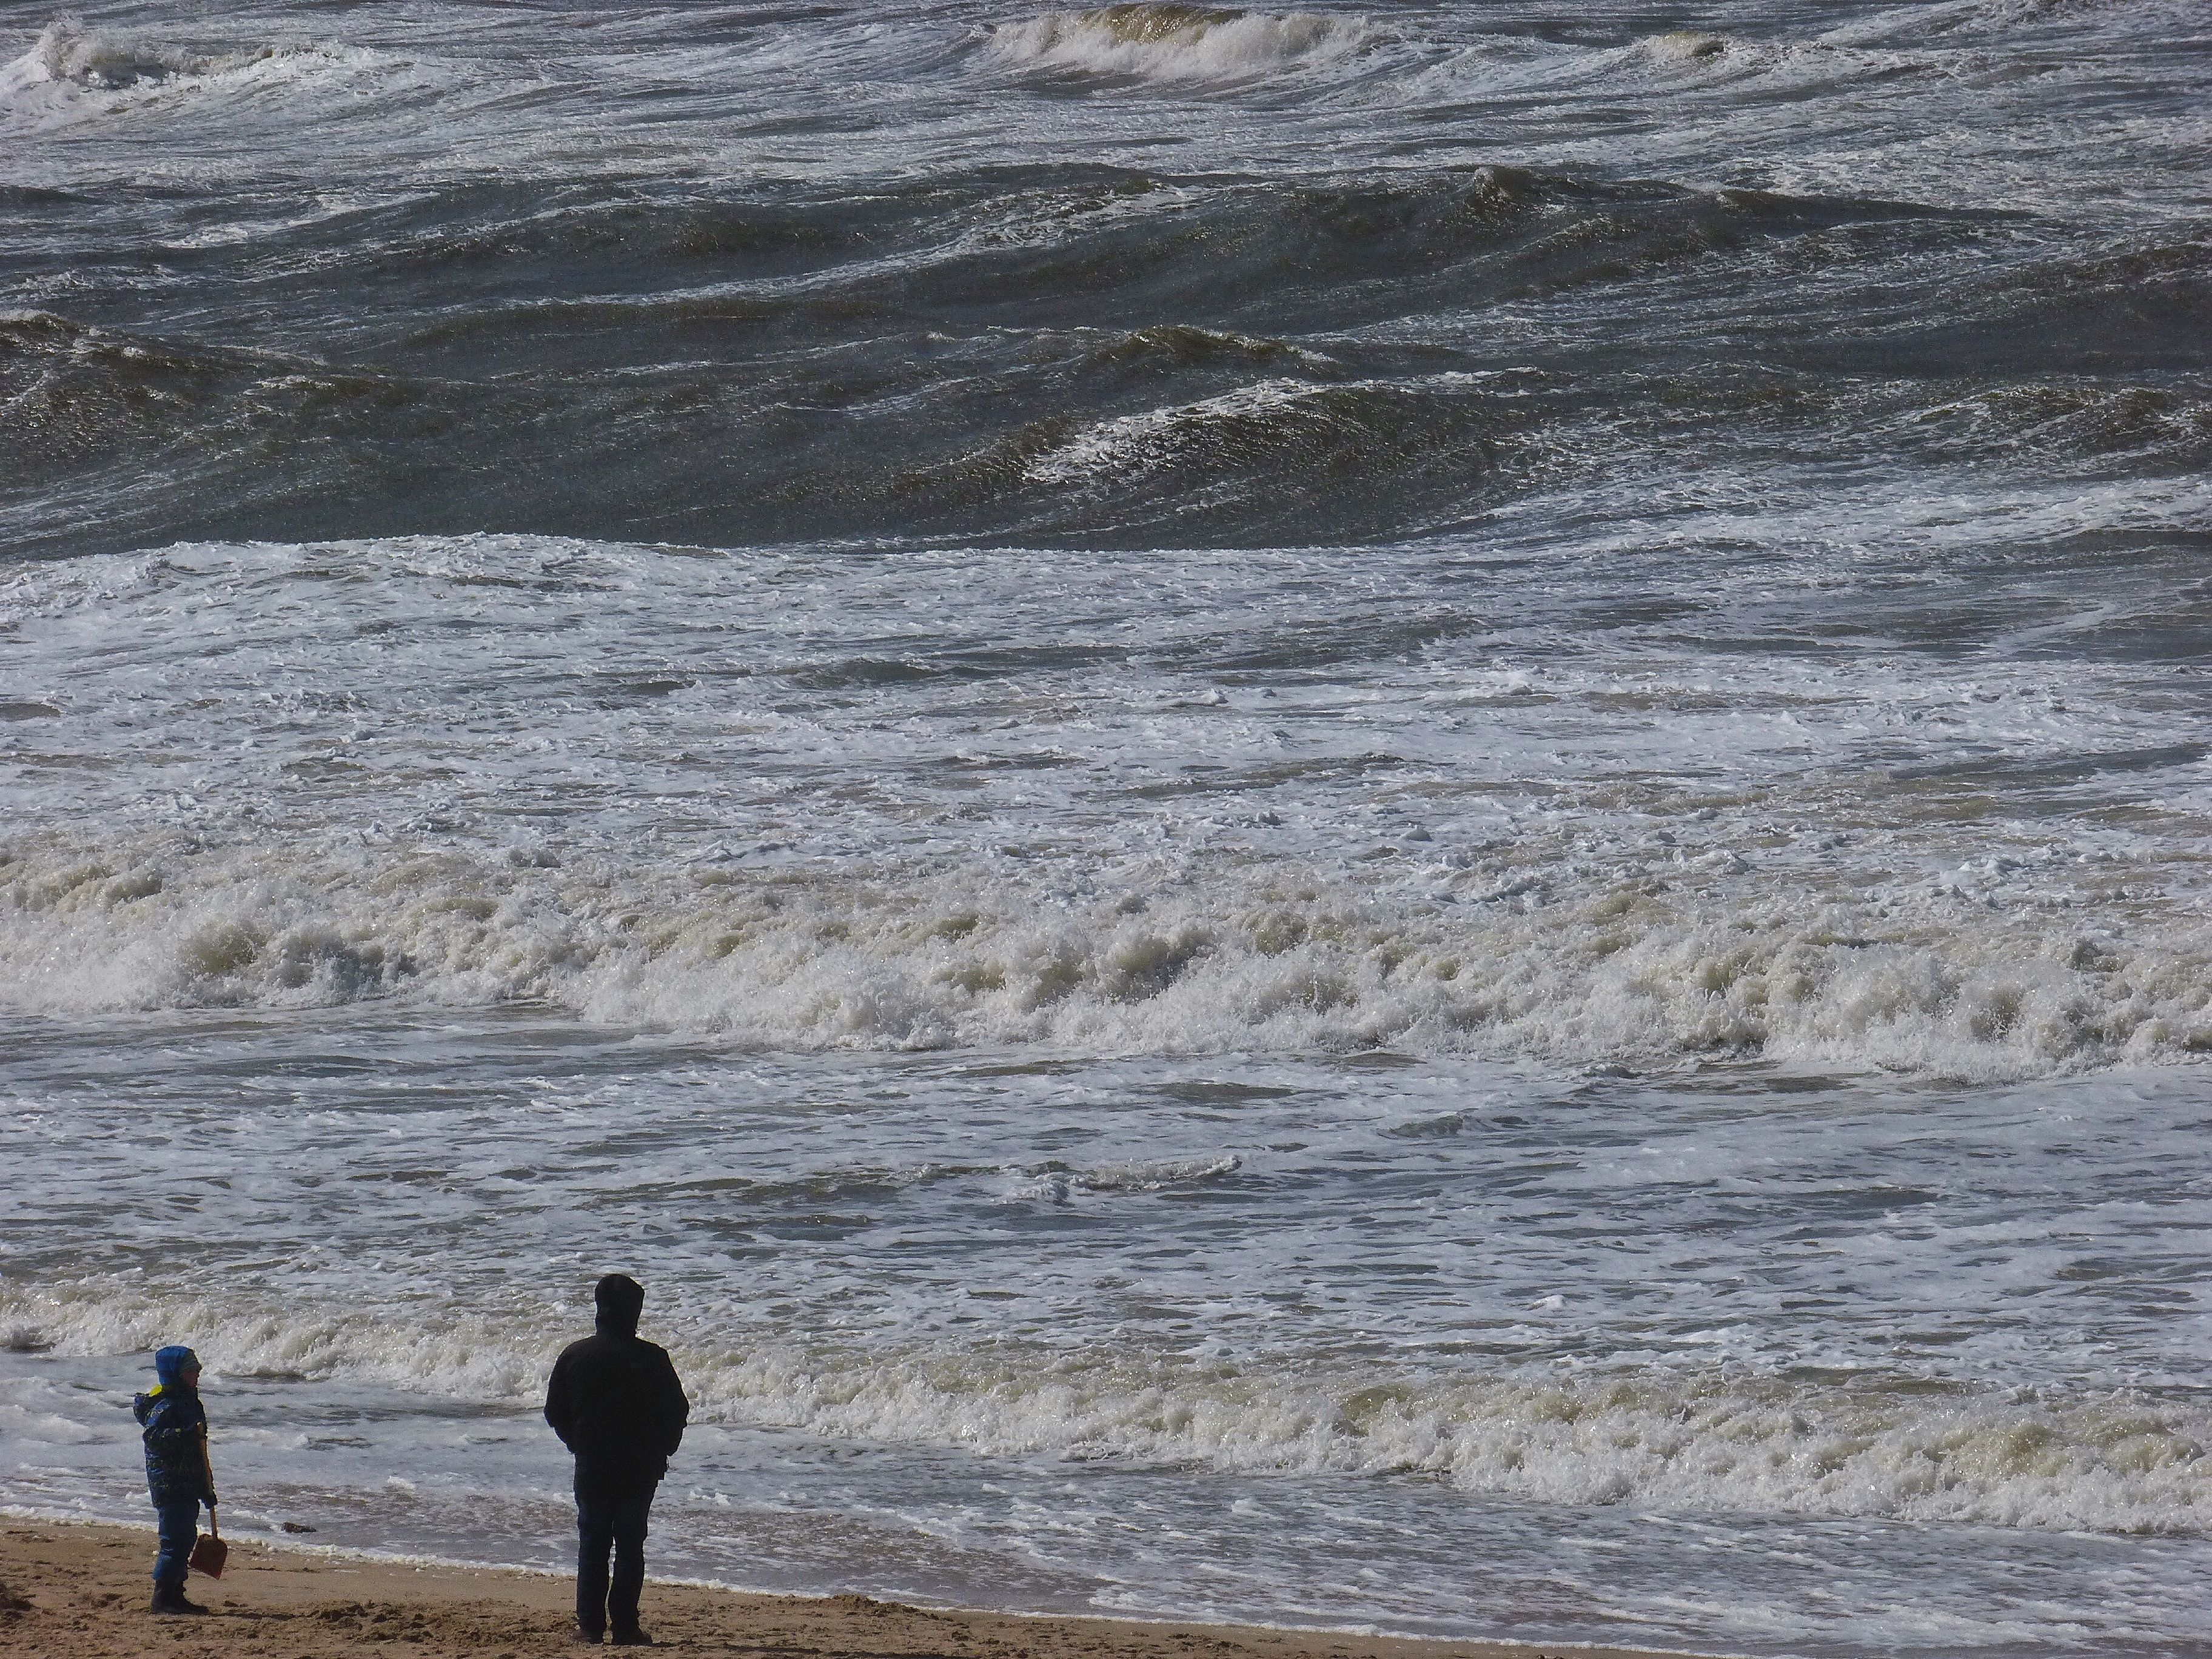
(170, 1598)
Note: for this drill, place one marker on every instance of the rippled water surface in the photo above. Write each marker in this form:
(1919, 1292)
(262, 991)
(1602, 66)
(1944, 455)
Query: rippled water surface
(1389, 818)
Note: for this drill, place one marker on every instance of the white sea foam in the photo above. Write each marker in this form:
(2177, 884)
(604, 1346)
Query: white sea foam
(67, 52)
(1686, 46)
(788, 824)
(1175, 42)
(1233, 959)
(1249, 420)
(2109, 1462)
(1158, 437)
(72, 72)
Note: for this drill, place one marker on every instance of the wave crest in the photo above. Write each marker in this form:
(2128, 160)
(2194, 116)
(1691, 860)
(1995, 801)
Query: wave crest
(69, 60)
(1895, 1447)
(1156, 41)
(1272, 956)
(65, 51)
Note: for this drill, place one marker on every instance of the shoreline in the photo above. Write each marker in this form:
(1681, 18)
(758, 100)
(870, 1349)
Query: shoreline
(77, 1589)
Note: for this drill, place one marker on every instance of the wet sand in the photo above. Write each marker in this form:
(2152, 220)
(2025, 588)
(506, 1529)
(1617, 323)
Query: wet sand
(70, 1591)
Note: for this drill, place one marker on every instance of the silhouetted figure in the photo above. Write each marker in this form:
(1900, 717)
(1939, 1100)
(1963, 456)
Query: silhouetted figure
(617, 1404)
(178, 1473)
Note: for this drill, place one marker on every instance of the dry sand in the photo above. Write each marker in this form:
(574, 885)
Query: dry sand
(70, 1591)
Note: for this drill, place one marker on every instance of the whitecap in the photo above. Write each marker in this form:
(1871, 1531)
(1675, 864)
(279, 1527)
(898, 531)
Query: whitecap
(1165, 42)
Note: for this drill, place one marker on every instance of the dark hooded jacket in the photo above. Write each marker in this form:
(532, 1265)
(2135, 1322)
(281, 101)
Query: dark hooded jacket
(176, 1444)
(616, 1402)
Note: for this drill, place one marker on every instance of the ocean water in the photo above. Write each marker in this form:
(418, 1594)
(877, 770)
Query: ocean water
(1393, 818)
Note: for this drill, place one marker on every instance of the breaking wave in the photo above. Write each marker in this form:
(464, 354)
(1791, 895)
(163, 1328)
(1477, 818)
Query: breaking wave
(66, 51)
(1174, 43)
(1700, 1441)
(73, 60)
(1285, 422)
(1685, 46)
(1268, 956)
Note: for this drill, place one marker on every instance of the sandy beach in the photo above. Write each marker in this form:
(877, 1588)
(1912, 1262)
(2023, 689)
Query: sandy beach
(71, 1591)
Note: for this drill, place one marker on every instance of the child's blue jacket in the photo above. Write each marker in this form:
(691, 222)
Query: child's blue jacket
(176, 1444)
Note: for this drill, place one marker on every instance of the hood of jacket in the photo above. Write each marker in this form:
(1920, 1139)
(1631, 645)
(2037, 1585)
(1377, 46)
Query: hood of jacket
(618, 1300)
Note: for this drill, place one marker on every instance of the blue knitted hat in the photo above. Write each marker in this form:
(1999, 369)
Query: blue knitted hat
(171, 1363)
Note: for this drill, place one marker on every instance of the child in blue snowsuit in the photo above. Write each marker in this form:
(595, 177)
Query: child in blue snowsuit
(177, 1470)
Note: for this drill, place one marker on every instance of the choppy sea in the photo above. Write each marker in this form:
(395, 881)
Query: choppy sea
(1393, 818)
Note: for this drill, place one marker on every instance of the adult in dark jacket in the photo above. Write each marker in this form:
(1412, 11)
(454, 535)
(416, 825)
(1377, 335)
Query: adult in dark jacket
(617, 1404)
(178, 1473)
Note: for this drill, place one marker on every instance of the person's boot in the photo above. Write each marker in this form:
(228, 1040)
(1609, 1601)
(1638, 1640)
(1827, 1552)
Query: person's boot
(170, 1599)
(632, 1638)
(585, 1637)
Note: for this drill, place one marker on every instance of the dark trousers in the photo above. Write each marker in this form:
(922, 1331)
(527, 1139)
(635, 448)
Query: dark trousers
(179, 1523)
(611, 1518)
